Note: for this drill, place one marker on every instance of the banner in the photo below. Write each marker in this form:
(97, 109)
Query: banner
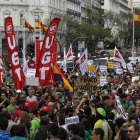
(65, 63)
(118, 57)
(32, 81)
(19, 77)
(103, 70)
(31, 72)
(117, 66)
(110, 65)
(83, 62)
(103, 81)
(119, 105)
(69, 54)
(39, 47)
(71, 120)
(1, 72)
(119, 71)
(25, 64)
(88, 84)
(44, 69)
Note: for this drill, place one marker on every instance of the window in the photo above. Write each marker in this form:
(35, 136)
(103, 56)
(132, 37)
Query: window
(36, 2)
(5, 16)
(36, 17)
(21, 20)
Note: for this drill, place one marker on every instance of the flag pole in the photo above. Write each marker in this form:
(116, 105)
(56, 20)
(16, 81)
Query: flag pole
(24, 41)
(40, 25)
(133, 32)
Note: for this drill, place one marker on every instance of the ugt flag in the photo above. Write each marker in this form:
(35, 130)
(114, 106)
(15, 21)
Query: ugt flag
(118, 57)
(83, 62)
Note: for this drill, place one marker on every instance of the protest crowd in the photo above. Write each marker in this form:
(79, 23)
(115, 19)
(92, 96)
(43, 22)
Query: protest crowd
(40, 113)
(101, 103)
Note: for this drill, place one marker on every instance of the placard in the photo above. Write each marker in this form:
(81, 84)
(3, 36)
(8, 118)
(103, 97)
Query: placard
(129, 66)
(91, 68)
(32, 81)
(87, 84)
(103, 70)
(117, 65)
(71, 120)
(91, 73)
(119, 71)
(31, 72)
(135, 78)
(110, 65)
(103, 81)
(119, 105)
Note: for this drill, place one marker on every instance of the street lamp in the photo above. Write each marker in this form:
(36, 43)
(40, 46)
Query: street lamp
(76, 39)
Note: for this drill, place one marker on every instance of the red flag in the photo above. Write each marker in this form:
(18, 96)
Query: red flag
(1, 72)
(118, 57)
(44, 69)
(19, 77)
(69, 54)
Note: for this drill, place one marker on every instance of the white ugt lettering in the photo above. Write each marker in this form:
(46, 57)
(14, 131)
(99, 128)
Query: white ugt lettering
(46, 59)
(43, 69)
(15, 58)
(9, 42)
(18, 73)
(47, 42)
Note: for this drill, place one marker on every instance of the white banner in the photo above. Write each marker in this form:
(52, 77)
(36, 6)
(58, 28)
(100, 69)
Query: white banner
(32, 81)
(118, 57)
(103, 70)
(135, 78)
(91, 73)
(83, 62)
(71, 120)
(117, 66)
(31, 72)
(103, 81)
(119, 105)
(129, 66)
(119, 71)
(65, 63)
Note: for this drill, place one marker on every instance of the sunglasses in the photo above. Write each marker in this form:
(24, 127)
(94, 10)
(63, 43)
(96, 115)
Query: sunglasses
(129, 131)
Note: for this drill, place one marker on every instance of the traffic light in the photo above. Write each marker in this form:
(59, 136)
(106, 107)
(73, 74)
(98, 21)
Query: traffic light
(30, 50)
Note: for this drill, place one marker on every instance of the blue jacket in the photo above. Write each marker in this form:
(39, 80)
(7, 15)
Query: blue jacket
(4, 135)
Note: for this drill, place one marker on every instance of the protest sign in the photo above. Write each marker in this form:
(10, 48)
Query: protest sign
(71, 120)
(87, 84)
(32, 81)
(91, 73)
(119, 105)
(117, 65)
(110, 65)
(31, 72)
(103, 70)
(119, 71)
(129, 66)
(135, 78)
(103, 81)
(91, 68)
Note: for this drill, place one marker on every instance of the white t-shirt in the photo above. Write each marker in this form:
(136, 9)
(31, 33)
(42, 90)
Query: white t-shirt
(33, 98)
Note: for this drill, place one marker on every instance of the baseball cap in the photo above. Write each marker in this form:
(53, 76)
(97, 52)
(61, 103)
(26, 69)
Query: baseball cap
(46, 108)
(27, 104)
(101, 111)
(34, 104)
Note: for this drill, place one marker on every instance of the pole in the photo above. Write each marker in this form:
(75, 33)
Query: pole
(133, 32)
(24, 46)
(40, 24)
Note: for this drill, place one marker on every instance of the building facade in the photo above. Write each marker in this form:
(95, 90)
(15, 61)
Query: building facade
(34, 10)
